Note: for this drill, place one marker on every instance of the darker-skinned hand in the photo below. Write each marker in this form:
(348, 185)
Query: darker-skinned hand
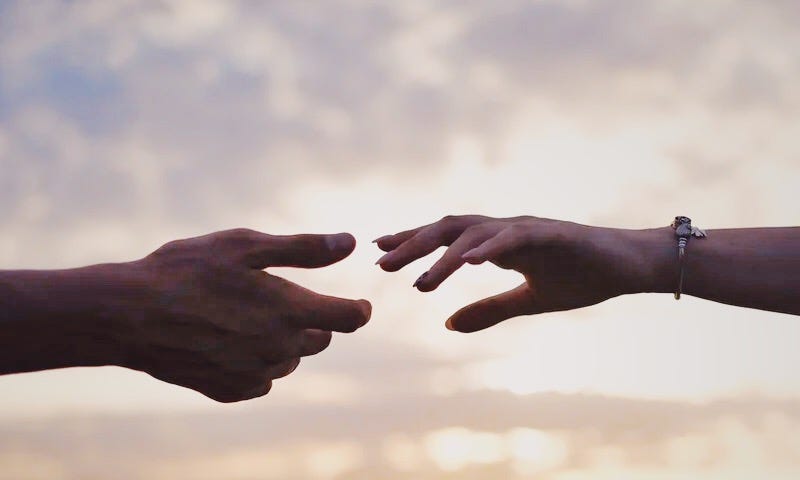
(211, 319)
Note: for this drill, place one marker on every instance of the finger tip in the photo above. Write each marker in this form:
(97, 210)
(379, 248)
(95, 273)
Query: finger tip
(381, 261)
(317, 340)
(449, 325)
(341, 242)
(381, 238)
(293, 366)
(419, 281)
(366, 309)
(387, 267)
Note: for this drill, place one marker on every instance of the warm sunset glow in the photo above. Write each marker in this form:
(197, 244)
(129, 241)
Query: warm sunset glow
(534, 451)
(330, 461)
(127, 124)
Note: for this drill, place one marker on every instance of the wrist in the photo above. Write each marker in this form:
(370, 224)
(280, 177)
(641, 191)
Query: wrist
(654, 260)
(66, 318)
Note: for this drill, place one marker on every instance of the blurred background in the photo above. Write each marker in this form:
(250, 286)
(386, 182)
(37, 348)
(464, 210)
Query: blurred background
(127, 124)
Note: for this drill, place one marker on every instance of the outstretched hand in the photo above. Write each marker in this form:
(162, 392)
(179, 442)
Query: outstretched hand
(215, 322)
(565, 265)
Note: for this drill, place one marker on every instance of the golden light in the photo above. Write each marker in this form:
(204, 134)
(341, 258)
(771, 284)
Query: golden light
(402, 452)
(329, 460)
(534, 451)
(455, 448)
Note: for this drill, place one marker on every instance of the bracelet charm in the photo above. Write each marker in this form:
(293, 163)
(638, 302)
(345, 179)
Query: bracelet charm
(683, 232)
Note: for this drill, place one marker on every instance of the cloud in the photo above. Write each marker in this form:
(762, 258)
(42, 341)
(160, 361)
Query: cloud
(646, 433)
(230, 104)
(125, 124)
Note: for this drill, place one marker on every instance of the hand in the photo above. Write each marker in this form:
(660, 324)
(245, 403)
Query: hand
(566, 265)
(212, 320)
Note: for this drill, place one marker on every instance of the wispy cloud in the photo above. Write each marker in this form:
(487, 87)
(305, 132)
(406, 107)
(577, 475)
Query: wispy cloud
(125, 124)
(572, 433)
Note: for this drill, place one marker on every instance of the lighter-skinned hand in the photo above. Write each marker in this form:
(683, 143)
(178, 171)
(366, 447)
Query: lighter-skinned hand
(565, 265)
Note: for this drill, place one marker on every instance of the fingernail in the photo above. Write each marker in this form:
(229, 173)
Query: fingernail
(383, 258)
(338, 241)
(449, 324)
(419, 280)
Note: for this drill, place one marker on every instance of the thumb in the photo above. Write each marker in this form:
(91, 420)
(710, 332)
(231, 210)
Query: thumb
(305, 251)
(493, 310)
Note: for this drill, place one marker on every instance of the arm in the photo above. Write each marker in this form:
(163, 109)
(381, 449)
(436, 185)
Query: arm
(63, 318)
(568, 265)
(748, 267)
(200, 313)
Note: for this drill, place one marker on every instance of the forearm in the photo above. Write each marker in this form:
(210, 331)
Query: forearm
(61, 318)
(751, 267)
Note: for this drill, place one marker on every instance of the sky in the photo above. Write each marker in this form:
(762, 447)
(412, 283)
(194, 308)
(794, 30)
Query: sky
(127, 124)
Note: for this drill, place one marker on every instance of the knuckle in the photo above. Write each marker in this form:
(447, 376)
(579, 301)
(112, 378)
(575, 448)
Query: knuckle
(449, 228)
(474, 229)
(450, 221)
(241, 235)
(518, 230)
(169, 248)
(479, 229)
(521, 234)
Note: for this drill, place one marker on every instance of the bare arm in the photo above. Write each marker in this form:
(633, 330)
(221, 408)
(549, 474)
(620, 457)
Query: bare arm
(752, 267)
(568, 265)
(63, 318)
(200, 313)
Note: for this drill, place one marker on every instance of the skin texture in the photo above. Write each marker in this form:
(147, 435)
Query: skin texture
(200, 313)
(567, 265)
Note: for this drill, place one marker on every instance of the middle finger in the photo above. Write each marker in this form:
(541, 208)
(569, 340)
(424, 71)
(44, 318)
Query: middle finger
(452, 259)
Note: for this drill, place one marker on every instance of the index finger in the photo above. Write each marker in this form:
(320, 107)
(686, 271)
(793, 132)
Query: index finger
(304, 250)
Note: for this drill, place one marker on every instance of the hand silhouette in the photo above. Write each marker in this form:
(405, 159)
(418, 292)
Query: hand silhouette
(565, 265)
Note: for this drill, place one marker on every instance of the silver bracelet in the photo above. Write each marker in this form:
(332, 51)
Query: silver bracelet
(683, 232)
